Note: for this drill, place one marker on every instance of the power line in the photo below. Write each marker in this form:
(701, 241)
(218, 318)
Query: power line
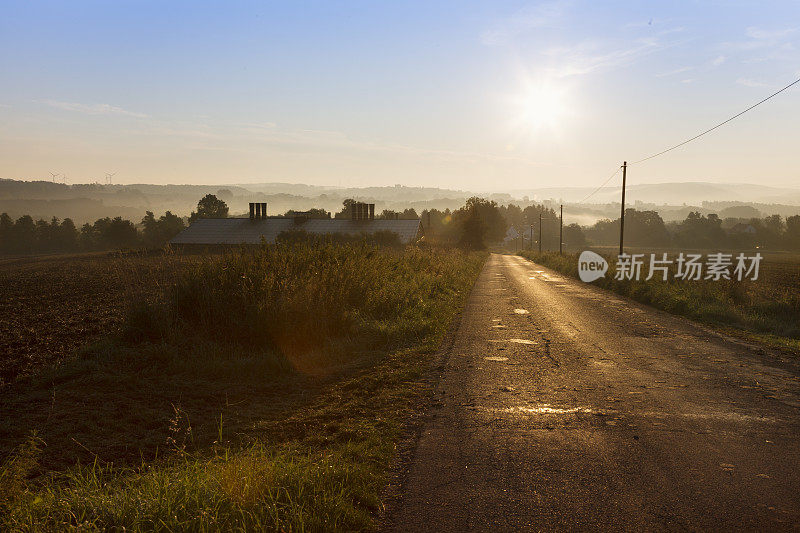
(601, 185)
(795, 82)
(717, 126)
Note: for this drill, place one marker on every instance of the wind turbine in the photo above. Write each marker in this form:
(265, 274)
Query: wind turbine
(54, 175)
(109, 176)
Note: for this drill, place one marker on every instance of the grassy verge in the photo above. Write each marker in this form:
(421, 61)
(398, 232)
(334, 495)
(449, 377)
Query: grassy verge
(267, 391)
(767, 309)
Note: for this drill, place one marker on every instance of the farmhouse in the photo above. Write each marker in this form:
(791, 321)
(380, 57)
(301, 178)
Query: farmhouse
(235, 231)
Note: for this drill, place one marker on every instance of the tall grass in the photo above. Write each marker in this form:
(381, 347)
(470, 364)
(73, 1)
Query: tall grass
(255, 490)
(297, 297)
(761, 306)
(321, 463)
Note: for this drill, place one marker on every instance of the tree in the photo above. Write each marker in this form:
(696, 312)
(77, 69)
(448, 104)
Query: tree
(409, 214)
(514, 216)
(157, 232)
(46, 235)
(68, 235)
(473, 230)
(210, 207)
(642, 228)
(772, 232)
(347, 209)
(438, 226)
(389, 214)
(117, 233)
(314, 212)
(108, 234)
(550, 225)
(6, 230)
(792, 235)
(740, 211)
(493, 224)
(574, 237)
(698, 231)
(645, 228)
(24, 235)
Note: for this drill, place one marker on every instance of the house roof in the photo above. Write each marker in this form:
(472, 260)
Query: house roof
(742, 228)
(511, 234)
(247, 231)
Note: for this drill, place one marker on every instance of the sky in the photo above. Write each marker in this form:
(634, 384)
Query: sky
(487, 96)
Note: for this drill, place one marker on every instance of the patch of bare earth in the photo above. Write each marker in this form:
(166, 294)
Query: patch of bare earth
(52, 306)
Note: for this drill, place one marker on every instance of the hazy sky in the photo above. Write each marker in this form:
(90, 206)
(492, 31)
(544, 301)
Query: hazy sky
(484, 96)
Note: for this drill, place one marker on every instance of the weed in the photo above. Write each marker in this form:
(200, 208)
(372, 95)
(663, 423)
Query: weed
(15, 471)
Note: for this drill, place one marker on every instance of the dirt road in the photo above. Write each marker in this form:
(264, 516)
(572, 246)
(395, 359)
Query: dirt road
(562, 406)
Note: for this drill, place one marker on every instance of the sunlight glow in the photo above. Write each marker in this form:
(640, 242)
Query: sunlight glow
(541, 108)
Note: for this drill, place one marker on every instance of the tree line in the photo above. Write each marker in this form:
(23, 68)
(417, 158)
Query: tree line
(25, 236)
(475, 225)
(347, 211)
(647, 228)
(480, 222)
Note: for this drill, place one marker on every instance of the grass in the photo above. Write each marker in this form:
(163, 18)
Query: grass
(266, 390)
(767, 309)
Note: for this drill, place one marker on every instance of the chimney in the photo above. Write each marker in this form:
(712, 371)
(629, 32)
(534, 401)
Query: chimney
(252, 211)
(363, 211)
(258, 210)
(264, 210)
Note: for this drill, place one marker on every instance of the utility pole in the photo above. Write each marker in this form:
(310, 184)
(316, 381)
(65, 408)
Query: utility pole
(540, 233)
(622, 208)
(429, 224)
(561, 232)
(531, 245)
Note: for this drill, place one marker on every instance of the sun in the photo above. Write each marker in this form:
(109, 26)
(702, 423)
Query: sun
(541, 108)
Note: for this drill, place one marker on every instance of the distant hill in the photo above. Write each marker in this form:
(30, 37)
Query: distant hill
(677, 193)
(87, 202)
